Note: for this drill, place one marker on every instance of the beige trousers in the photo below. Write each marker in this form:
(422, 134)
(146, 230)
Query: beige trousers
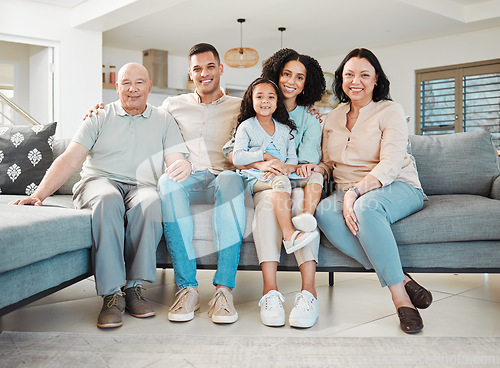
(267, 233)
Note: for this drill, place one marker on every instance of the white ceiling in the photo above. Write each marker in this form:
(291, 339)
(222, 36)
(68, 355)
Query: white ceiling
(319, 28)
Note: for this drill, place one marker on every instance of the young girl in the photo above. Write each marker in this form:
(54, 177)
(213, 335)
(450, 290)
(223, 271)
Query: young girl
(264, 133)
(302, 82)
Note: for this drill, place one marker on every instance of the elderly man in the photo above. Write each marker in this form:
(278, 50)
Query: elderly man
(126, 148)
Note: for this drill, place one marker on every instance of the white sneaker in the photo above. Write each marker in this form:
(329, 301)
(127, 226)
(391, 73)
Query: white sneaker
(305, 222)
(272, 312)
(305, 312)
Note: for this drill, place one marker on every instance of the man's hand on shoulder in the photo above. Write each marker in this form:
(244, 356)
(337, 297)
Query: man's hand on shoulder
(179, 170)
(31, 201)
(94, 110)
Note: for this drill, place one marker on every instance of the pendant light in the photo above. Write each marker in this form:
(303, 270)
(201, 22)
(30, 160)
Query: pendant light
(241, 57)
(281, 29)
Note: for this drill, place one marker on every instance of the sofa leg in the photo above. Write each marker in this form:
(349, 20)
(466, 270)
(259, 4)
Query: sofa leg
(330, 278)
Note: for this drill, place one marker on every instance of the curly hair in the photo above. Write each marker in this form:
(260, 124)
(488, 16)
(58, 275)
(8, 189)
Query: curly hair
(381, 89)
(247, 111)
(314, 87)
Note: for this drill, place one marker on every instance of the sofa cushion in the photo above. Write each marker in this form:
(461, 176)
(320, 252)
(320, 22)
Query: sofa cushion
(25, 156)
(40, 276)
(450, 218)
(30, 234)
(202, 225)
(460, 163)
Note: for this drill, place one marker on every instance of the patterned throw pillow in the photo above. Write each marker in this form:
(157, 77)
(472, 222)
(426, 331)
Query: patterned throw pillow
(25, 156)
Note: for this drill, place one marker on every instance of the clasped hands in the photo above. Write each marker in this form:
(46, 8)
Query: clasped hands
(272, 166)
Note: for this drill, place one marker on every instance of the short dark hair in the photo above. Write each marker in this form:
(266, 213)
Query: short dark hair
(247, 111)
(381, 89)
(200, 48)
(315, 79)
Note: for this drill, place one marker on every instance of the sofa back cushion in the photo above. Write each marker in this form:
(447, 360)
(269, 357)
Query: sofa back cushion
(26, 152)
(460, 163)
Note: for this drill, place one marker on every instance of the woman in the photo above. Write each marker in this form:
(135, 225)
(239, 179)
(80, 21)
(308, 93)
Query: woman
(300, 79)
(376, 181)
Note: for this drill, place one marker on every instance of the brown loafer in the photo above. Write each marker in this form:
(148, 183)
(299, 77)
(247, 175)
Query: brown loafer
(410, 320)
(419, 296)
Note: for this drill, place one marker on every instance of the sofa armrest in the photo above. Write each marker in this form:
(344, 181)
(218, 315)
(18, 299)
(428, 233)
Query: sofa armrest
(495, 189)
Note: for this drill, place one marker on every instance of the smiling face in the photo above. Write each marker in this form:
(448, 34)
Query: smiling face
(265, 100)
(358, 80)
(205, 71)
(292, 79)
(133, 87)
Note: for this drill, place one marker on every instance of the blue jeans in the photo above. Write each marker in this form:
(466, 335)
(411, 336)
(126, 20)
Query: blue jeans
(374, 246)
(226, 192)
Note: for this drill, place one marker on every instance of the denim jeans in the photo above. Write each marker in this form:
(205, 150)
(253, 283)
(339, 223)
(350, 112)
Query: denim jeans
(374, 246)
(226, 192)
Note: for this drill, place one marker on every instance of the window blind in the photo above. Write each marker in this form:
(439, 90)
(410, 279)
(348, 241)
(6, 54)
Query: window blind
(459, 98)
(437, 106)
(481, 104)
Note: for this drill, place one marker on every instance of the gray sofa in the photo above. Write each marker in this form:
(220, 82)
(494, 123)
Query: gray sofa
(47, 248)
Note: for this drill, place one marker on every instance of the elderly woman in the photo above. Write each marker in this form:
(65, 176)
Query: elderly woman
(365, 152)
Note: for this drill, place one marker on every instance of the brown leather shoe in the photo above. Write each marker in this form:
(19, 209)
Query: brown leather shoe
(419, 296)
(137, 305)
(410, 320)
(113, 307)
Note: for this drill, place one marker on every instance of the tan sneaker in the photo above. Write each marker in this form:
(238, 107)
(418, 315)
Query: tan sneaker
(222, 307)
(185, 304)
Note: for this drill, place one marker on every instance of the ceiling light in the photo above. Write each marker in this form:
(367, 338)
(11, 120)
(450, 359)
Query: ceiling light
(241, 57)
(281, 29)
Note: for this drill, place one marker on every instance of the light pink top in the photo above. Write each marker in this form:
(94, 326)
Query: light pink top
(377, 145)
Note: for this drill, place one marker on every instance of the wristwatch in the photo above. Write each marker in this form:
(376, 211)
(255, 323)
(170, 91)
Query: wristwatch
(355, 190)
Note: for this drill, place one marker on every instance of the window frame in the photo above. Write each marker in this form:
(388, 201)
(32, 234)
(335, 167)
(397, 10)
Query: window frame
(458, 72)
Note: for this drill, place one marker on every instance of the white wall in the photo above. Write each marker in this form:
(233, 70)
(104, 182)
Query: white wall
(32, 80)
(40, 90)
(18, 56)
(78, 55)
(401, 61)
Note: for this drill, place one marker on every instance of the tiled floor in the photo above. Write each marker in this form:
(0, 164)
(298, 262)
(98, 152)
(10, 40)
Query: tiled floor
(465, 305)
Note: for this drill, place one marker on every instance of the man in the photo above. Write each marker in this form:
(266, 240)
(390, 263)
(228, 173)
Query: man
(206, 119)
(126, 148)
